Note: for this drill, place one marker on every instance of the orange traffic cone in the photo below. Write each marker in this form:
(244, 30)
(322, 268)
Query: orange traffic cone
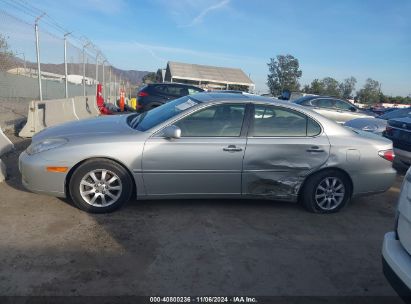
(121, 101)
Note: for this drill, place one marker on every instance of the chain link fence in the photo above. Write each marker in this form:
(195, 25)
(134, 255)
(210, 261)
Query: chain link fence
(69, 66)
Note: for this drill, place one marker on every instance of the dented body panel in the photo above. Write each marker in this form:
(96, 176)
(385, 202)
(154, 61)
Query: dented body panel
(276, 167)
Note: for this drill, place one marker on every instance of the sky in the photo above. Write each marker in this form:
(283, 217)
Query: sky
(339, 38)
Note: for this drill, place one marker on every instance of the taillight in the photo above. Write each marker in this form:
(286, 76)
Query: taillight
(142, 94)
(387, 154)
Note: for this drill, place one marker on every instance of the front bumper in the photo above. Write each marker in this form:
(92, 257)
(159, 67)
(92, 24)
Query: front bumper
(37, 179)
(396, 265)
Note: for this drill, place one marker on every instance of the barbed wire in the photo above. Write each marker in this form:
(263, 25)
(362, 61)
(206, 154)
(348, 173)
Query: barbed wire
(33, 12)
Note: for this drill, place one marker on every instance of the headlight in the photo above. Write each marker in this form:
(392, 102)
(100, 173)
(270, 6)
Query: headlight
(45, 145)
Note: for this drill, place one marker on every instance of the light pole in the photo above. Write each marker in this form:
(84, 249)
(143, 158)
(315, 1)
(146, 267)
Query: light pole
(36, 32)
(84, 67)
(65, 64)
(104, 81)
(98, 53)
(109, 87)
(115, 88)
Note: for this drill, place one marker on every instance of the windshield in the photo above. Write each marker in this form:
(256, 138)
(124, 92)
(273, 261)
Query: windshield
(156, 116)
(397, 114)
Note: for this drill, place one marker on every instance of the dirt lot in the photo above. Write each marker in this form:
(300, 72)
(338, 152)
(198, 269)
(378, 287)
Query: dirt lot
(190, 247)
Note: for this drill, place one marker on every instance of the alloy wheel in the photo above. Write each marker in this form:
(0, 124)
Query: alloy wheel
(100, 188)
(330, 193)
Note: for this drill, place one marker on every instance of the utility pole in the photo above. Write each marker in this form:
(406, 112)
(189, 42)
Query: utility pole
(65, 64)
(36, 31)
(84, 67)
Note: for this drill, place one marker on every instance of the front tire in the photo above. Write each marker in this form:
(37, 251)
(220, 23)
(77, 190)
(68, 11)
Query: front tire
(100, 186)
(326, 192)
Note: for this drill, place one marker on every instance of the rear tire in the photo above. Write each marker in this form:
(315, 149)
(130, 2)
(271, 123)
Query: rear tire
(326, 192)
(100, 186)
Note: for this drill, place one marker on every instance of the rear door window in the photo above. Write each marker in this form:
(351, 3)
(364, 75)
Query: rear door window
(324, 103)
(270, 121)
(192, 91)
(342, 105)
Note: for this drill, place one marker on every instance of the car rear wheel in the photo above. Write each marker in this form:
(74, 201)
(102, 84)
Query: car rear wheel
(100, 186)
(326, 192)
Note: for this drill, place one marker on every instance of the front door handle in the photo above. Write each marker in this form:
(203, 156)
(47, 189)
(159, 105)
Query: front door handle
(232, 148)
(315, 149)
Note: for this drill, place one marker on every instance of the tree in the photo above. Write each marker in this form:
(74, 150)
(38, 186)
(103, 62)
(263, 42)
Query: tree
(6, 56)
(283, 74)
(238, 87)
(370, 93)
(159, 76)
(317, 87)
(347, 87)
(149, 78)
(330, 87)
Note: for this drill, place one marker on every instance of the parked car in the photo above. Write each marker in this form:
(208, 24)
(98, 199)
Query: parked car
(396, 249)
(333, 108)
(381, 110)
(377, 125)
(399, 131)
(208, 146)
(152, 95)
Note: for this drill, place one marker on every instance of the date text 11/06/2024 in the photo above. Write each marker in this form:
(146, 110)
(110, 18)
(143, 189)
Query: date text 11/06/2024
(203, 300)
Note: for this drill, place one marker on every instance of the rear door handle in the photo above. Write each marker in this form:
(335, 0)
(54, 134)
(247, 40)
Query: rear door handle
(232, 148)
(315, 149)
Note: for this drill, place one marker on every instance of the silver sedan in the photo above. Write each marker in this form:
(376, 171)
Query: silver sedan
(208, 146)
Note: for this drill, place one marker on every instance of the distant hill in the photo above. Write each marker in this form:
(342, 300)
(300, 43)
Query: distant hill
(133, 76)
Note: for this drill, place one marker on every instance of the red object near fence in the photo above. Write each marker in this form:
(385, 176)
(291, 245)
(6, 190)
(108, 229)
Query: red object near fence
(100, 101)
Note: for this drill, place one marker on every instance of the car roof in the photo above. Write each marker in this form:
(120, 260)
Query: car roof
(231, 97)
(172, 84)
(310, 97)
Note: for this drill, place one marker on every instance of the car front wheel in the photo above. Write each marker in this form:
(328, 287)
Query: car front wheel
(100, 186)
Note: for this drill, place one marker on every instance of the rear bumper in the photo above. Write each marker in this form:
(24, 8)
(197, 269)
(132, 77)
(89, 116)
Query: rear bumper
(396, 265)
(373, 182)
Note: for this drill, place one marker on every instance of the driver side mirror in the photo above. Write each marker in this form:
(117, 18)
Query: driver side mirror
(353, 109)
(172, 132)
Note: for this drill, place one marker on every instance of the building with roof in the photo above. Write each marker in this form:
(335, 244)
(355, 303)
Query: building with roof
(208, 77)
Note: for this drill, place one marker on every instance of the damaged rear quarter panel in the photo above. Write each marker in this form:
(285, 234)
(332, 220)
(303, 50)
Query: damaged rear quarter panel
(275, 167)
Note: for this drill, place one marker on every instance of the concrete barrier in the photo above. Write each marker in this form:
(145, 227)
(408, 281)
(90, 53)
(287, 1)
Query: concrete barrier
(5, 146)
(43, 114)
(85, 107)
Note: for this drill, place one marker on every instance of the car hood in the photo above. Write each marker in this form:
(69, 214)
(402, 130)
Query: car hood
(100, 125)
(374, 125)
